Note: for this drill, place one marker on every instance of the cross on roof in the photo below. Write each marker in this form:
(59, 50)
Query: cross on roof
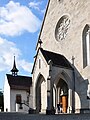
(73, 58)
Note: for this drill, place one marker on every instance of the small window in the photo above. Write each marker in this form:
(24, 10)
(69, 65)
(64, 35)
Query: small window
(39, 63)
(18, 99)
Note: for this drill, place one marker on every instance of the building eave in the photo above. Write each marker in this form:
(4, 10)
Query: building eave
(35, 61)
(43, 23)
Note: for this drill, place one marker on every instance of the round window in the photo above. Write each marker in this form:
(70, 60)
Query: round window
(62, 28)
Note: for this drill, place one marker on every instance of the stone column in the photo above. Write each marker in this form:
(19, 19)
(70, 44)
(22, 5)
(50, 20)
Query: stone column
(58, 95)
(49, 91)
(34, 97)
(17, 107)
(56, 99)
(69, 101)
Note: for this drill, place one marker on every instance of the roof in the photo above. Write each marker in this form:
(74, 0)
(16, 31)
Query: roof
(19, 82)
(57, 59)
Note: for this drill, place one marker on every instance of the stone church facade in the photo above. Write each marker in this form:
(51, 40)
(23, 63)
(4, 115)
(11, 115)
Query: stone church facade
(61, 70)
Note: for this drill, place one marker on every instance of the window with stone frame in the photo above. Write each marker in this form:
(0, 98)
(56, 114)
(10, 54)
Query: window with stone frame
(18, 98)
(86, 46)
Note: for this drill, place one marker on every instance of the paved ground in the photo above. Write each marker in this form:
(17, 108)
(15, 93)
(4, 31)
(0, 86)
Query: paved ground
(21, 116)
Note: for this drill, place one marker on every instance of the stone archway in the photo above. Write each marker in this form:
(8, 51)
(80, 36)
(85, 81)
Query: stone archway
(40, 94)
(63, 82)
(62, 95)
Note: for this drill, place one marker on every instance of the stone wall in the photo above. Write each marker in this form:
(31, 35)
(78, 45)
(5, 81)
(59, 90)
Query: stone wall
(78, 13)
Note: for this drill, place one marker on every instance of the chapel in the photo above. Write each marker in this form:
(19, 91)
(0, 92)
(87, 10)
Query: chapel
(17, 91)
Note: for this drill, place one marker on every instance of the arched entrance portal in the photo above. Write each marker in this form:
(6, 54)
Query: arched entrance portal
(62, 95)
(40, 94)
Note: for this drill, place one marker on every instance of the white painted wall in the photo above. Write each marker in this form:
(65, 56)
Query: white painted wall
(44, 70)
(10, 98)
(6, 96)
(13, 94)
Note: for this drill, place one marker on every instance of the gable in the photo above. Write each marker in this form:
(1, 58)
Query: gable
(39, 56)
(57, 59)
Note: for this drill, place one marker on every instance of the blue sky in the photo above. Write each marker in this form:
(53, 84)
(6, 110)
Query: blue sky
(20, 23)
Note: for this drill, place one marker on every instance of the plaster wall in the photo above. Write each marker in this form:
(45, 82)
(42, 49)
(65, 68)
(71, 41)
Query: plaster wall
(6, 96)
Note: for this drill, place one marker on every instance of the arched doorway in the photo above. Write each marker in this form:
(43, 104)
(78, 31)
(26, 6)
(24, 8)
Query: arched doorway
(38, 98)
(62, 95)
(40, 94)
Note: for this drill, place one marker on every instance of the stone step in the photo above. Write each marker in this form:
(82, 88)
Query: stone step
(23, 116)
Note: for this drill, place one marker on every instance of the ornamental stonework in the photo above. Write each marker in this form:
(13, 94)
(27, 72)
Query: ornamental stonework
(62, 28)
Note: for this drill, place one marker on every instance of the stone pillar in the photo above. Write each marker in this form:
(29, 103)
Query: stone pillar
(17, 107)
(34, 97)
(49, 109)
(49, 99)
(58, 95)
(56, 99)
(69, 101)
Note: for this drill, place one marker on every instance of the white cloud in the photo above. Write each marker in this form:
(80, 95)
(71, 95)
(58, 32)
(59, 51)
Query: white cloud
(26, 66)
(7, 51)
(16, 18)
(37, 5)
(43, 11)
(34, 5)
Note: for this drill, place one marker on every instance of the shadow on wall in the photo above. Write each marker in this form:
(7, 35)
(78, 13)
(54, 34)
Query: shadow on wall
(80, 87)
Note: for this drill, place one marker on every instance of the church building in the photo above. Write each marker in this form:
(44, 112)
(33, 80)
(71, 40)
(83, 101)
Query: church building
(61, 70)
(17, 92)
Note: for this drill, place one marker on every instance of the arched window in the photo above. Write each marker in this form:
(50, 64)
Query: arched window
(86, 46)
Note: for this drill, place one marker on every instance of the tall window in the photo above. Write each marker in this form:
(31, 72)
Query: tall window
(86, 46)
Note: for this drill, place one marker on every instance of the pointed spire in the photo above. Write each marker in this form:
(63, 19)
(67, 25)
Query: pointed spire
(14, 69)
